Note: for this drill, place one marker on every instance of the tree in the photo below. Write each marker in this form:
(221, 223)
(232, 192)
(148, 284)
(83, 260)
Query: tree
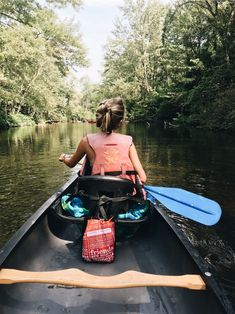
(37, 54)
(198, 41)
(132, 55)
(23, 11)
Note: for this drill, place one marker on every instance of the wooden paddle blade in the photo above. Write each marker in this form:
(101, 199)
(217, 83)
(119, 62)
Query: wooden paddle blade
(187, 204)
(78, 278)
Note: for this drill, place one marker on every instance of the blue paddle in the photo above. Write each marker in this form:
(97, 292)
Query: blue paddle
(187, 204)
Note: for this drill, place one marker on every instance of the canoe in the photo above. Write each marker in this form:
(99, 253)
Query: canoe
(51, 241)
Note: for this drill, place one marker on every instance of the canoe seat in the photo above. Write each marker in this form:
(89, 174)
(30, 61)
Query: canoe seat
(111, 193)
(115, 195)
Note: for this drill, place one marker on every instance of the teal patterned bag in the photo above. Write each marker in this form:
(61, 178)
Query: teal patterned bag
(73, 205)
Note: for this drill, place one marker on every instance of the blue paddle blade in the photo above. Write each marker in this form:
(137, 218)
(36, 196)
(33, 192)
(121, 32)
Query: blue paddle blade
(187, 204)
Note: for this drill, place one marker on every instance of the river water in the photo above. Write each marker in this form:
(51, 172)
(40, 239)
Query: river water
(199, 161)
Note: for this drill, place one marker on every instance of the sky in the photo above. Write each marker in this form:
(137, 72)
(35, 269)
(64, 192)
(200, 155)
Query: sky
(96, 18)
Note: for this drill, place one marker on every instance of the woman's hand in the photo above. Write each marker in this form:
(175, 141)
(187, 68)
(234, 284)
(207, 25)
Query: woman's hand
(62, 157)
(82, 150)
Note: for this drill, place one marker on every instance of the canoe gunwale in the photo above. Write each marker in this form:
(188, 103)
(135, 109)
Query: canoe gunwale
(206, 273)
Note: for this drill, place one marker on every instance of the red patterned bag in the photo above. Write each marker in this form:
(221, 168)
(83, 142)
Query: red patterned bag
(98, 241)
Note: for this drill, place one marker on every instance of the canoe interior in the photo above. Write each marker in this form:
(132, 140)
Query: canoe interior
(53, 244)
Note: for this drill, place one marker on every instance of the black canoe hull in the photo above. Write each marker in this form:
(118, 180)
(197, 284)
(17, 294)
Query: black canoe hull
(46, 242)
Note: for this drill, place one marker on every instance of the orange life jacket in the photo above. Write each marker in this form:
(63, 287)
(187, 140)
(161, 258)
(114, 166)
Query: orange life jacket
(111, 154)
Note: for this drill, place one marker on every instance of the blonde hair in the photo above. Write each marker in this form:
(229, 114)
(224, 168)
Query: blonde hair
(109, 114)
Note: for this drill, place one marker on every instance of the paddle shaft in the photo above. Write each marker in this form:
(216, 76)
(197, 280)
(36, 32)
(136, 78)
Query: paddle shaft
(78, 278)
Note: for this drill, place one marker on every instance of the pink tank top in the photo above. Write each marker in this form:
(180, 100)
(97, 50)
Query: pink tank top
(111, 153)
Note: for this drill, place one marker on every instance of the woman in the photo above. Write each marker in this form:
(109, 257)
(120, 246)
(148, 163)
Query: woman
(109, 152)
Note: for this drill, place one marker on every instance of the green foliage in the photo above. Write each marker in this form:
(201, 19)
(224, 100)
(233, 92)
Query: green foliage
(21, 11)
(174, 64)
(204, 31)
(131, 63)
(63, 3)
(3, 119)
(13, 120)
(222, 111)
(36, 57)
(19, 119)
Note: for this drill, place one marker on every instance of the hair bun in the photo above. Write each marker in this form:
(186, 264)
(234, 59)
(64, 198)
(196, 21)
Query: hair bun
(115, 108)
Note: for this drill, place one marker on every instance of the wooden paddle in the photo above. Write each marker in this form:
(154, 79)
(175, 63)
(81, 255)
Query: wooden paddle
(78, 278)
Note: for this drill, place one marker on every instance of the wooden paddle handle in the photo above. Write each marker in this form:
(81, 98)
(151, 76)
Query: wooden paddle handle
(75, 277)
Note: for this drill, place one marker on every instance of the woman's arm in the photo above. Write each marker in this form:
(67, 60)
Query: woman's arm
(72, 160)
(137, 164)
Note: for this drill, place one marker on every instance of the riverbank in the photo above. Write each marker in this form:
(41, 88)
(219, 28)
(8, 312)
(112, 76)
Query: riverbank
(19, 120)
(15, 120)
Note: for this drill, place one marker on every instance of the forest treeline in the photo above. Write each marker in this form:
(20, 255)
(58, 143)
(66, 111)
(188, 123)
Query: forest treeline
(170, 63)
(37, 55)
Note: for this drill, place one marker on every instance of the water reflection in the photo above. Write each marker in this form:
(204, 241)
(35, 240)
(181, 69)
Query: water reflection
(30, 171)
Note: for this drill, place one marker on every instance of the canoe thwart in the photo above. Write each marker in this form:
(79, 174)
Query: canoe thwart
(78, 278)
